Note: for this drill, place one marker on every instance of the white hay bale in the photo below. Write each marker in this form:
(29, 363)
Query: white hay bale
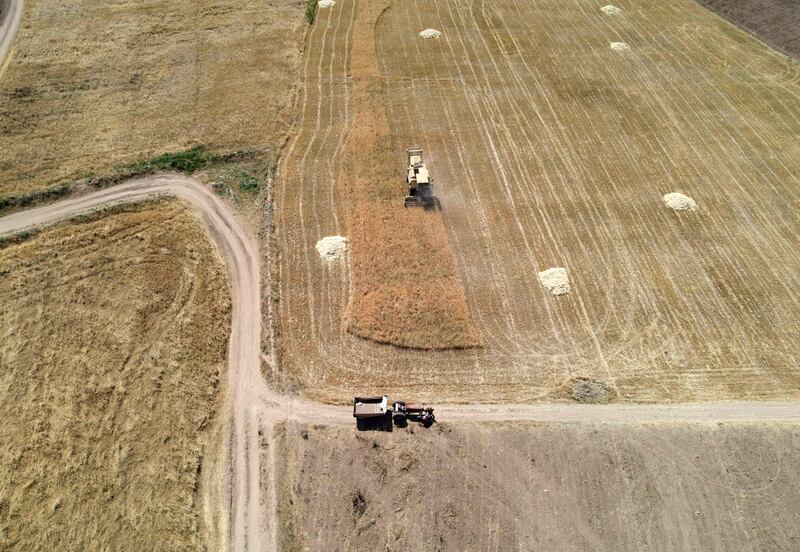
(332, 248)
(610, 10)
(326, 3)
(555, 280)
(680, 202)
(620, 47)
(430, 33)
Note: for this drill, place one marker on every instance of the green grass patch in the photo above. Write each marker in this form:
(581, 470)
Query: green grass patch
(311, 10)
(187, 161)
(31, 198)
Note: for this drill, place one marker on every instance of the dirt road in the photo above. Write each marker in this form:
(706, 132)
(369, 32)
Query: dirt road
(256, 407)
(10, 16)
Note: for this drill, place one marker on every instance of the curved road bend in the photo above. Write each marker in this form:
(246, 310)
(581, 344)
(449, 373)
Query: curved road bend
(10, 17)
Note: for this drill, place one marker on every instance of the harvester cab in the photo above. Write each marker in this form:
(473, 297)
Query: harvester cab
(418, 179)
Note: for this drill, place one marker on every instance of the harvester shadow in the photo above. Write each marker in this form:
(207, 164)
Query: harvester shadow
(426, 199)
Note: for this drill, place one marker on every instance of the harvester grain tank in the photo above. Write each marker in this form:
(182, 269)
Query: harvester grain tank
(372, 413)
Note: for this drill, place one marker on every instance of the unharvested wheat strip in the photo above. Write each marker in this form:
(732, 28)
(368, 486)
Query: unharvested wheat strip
(445, 109)
(430, 229)
(462, 163)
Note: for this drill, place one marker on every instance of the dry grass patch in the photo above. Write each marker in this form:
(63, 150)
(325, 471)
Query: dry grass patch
(112, 350)
(94, 84)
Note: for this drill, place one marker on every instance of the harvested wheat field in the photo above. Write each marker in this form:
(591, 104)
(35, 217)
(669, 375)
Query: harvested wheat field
(112, 358)
(575, 487)
(92, 85)
(776, 22)
(548, 148)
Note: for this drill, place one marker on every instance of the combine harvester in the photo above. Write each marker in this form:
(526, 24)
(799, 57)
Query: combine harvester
(420, 184)
(375, 413)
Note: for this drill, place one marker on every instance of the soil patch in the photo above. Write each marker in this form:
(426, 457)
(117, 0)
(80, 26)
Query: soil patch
(776, 22)
(545, 486)
(589, 391)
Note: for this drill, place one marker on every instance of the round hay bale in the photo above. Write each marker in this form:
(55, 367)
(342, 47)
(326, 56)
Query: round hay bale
(332, 248)
(430, 33)
(555, 280)
(680, 202)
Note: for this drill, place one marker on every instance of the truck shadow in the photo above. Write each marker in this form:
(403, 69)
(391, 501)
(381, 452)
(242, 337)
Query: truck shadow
(377, 423)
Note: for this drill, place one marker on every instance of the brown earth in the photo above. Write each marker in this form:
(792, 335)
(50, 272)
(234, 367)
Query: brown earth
(776, 22)
(112, 357)
(550, 149)
(93, 85)
(570, 487)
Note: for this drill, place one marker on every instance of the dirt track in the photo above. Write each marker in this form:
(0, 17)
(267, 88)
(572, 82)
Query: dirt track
(10, 16)
(551, 149)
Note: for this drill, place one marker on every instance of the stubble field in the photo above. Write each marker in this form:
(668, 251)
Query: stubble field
(113, 345)
(549, 148)
(92, 85)
(579, 487)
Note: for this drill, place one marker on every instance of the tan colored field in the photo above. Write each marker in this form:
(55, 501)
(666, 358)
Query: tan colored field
(112, 358)
(551, 149)
(92, 85)
(659, 487)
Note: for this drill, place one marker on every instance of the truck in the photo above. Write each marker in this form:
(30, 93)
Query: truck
(375, 413)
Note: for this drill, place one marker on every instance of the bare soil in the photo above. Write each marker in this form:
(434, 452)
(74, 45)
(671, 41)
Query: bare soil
(550, 149)
(570, 487)
(776, 22)
(112, 361)
(93, 85)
